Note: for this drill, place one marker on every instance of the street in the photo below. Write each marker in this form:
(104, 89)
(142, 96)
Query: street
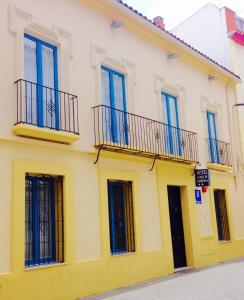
(220, 282)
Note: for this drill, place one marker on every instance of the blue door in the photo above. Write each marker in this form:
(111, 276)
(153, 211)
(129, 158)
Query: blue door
(213, 139)
(172, 143)
(117, 217)
(114, 111)
(40, 229)
(41, 75)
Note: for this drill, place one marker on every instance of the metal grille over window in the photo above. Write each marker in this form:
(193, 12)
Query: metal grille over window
(44, 232)
(221, 215)
(121, 217)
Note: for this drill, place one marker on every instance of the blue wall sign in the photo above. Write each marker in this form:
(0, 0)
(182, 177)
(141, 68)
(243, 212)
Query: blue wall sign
(198, 197)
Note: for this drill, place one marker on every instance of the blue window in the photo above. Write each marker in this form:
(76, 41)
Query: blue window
(213, 139)
(114, 111)
(172, 140)
(43, 220)
(41, 75)
(121, 217)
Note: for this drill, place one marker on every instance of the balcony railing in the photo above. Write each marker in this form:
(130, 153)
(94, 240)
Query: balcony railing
(46, 107)
(219, 152)
(118, 130)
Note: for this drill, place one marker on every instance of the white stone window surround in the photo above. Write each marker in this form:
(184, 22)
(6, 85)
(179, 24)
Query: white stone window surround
(22, 22)
(161, 85)
(101, 57)
(217, 109)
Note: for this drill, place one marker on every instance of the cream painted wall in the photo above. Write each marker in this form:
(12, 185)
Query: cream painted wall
(85, 40)
(120, 49)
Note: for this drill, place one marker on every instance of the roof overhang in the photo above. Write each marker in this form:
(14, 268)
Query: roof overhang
(117, 9)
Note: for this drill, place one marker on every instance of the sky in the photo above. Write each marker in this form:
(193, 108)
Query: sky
(175, 11)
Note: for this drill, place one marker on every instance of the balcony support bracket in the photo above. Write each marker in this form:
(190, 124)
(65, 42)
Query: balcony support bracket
(155, 158)
(197, 164)
(98, 153)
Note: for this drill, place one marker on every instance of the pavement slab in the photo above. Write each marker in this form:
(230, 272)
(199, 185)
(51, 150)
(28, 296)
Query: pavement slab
(220, 282)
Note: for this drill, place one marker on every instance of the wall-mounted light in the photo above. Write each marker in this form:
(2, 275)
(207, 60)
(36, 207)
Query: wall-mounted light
(212, 78)
(172, 55)
(117, 24)
(238, 104)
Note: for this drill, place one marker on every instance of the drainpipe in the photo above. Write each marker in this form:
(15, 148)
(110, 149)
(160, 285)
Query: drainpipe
(233, 132)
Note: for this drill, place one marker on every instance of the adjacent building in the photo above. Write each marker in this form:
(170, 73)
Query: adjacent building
(105, 118)
(219, 33)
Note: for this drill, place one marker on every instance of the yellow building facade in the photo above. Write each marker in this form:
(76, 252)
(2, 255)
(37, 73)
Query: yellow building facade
(68, 157)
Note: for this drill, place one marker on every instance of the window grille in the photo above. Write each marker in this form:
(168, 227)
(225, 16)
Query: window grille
(44, 232)
(221, 215)
(121, 217)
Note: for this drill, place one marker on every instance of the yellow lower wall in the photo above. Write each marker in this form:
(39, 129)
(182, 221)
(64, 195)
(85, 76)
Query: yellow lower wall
(88, 266)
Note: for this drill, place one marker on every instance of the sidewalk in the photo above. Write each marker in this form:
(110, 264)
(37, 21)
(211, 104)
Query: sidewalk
(221, 282)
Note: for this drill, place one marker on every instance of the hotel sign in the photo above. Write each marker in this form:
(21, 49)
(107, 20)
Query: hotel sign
(202, 177)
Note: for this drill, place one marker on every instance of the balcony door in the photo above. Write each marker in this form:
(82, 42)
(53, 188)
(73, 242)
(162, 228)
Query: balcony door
(213, 139)
(172, 143)
(115, 127)
(41, 96)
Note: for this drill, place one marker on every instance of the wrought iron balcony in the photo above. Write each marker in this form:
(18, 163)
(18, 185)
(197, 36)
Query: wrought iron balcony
(219, 152)
(46, 107)
(117, 130)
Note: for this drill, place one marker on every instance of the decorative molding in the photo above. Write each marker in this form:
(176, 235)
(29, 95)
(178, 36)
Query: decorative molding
(158, 83)
(16, 16)
(99, 57)
(215, 107)
(21, 22)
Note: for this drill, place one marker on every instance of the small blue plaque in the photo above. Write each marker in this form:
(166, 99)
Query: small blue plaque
(198, 197)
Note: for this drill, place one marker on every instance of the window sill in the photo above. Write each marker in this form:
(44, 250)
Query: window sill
(123, 254)
(218, 167)
(31, 131)
(44, 266)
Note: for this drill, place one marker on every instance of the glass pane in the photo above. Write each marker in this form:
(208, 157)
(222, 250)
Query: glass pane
(213, 138)
(119, 103)
(212, 126)
(30, 106)
(48, 95)
(45, 218)
(165, 113)
(166, 138)
(28, 222)
(118, 92)
(105, 88)
(173, 112)
(106, 113)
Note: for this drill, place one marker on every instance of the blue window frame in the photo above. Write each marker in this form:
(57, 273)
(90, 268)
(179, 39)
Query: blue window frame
(172, 139)
(114, 98)
(121, 217)
(43, 220)
(213, 139)
(41, 68)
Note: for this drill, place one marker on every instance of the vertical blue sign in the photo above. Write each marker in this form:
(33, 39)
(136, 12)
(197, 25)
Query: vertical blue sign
(198, 197)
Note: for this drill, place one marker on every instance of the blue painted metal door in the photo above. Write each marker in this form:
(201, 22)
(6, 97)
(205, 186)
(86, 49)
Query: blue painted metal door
(117, 217)
(40, 221)
(114, 115)
(42, 103)
(213, 140)
(172, 140)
